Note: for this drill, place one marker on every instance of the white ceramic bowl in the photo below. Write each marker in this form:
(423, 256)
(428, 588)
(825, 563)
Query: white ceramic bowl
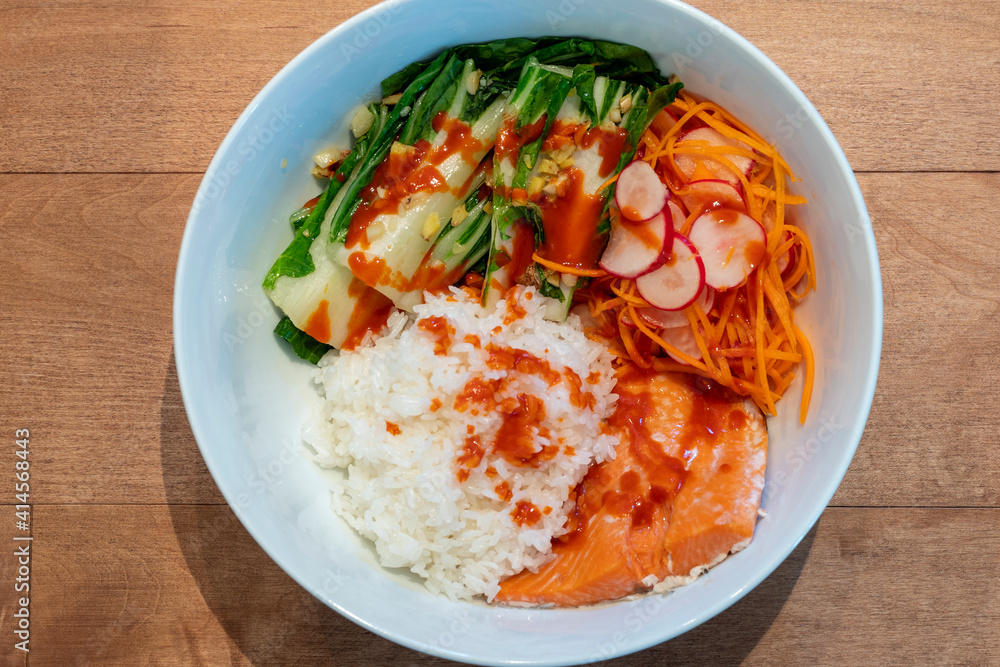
(247, 396)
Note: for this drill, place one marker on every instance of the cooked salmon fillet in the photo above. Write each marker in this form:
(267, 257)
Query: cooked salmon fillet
(681, 494)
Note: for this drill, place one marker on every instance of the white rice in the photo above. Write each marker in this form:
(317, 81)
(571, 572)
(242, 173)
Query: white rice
(403, 491)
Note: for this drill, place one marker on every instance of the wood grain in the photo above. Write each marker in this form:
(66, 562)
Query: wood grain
(90, 348)
(151, 87)
(191, 587)
(933, 429)
(138, 561)
(86, 321)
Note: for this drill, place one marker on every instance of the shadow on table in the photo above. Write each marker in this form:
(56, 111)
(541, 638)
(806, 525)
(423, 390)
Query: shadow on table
(273, 621)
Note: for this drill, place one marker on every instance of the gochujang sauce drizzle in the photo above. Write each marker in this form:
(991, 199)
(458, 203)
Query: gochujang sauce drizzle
(570, 223)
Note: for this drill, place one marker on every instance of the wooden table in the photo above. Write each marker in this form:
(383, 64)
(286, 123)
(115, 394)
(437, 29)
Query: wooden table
(109, 115)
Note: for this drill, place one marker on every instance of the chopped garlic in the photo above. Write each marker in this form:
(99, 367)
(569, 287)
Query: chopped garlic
(615, 115)
(375, 231)
(362, 121)
(535, 186)
(566, 163)
(401, 151)
(458, 215)
(328, 156)
(560, 154)
(488, 207)
(392, 99)
(549, 189)
(568, 279)
(548, 167)
(431, 225)
(552, 277)
(625, 103)
(472, 81)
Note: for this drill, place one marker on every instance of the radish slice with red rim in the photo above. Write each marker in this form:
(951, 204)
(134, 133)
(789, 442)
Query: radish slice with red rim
(678, 282)
(687, 162)
(639, 192)
(711, 193)
(666, 319)
(732, 245)
(626, 319)
(636, 248)
(683, 339)
(678, 216)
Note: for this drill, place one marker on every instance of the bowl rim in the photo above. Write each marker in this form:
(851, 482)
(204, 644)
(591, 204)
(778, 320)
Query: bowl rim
(777, 556)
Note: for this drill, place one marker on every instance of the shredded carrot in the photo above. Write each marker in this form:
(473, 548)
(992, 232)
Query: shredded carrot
(810, 375)
(571, 270)
(608, 182)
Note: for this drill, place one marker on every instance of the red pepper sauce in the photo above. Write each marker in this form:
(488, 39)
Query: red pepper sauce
(570, 223)
(503, 491)
(639, 230)
(478, 391)
(440, 330)
(470, 456)
(318, 324)
(523, 238)
(525, 514)
(514, 310)
(458, 139)
(509, 140)
(400, 175)
(372, 272)
(370, 313)
(610, 148)
(515, 440)
(578, 397)
(509, 358)
(715, 410)
(563, 133)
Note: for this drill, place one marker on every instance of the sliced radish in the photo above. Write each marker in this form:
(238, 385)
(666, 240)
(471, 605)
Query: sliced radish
(677, 283)
(731, 244)
(687, 163)
(666, 319)
(683, 339)
(627, 319)
(712, 193)
(636, 248)
(639, 192)
(678, 216)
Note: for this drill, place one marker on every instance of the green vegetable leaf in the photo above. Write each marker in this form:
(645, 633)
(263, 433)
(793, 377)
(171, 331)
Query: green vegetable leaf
(660, 99)
(546, 288)
(438, 97)
(299, 218)
(583, 82)
(303, 344)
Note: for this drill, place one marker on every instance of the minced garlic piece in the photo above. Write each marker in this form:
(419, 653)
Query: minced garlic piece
(362, 121)
(431, 225)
